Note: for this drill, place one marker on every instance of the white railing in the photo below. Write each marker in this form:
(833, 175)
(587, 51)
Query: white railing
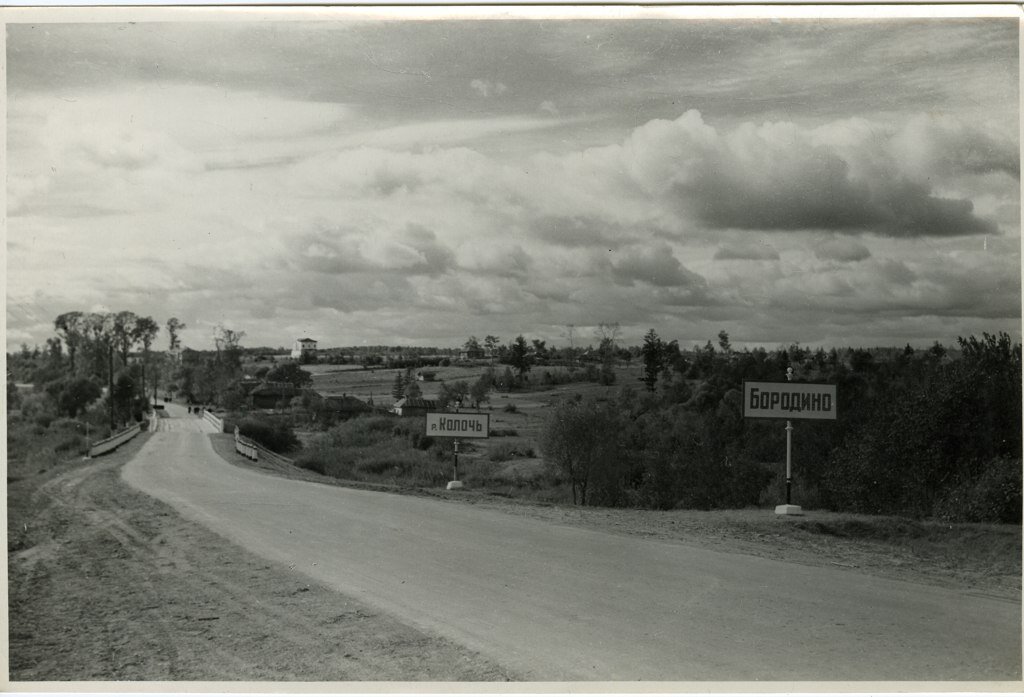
(254, 451)
(246, 447)
(214, 421)
(108, 444)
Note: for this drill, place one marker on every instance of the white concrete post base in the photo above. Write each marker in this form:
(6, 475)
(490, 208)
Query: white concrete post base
(788, 509)
(454, 485)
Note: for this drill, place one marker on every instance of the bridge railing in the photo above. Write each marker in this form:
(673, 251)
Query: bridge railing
(214, 420)
(108, 444)
(251, 449)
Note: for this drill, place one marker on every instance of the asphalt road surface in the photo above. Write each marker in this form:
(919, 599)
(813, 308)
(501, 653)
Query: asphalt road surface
(556, 603)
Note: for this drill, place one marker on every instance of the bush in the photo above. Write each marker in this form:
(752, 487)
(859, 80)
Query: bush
(499, 452)
(993, 495)
(278, 436)
(510, 408)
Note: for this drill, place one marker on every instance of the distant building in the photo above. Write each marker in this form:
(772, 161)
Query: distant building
(413, 406)
(304, 348)
(426, 375)
(344, 406)
(270, 394)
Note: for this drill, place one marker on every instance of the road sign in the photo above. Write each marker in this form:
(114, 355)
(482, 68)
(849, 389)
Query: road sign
(458, 425)
(789, 400)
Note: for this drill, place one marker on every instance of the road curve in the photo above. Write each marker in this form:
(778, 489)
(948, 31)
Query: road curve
(556, 603)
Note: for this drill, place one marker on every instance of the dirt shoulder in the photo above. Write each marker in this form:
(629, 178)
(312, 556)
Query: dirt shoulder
(976, 558)
(106, 583)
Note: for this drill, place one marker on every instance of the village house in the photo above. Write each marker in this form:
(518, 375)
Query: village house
(413, 406)
(269, 395)
(343, 405)
(304, 348)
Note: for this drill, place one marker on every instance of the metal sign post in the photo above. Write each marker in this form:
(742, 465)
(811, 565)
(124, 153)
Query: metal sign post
(789, 400)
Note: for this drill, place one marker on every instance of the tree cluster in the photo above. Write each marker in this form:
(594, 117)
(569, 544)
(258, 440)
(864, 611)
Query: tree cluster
(919, 433)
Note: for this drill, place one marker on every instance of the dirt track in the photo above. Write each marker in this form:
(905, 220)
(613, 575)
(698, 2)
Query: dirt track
(110, 584)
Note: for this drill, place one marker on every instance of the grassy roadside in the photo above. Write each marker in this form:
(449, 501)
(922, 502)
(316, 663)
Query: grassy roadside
(977, 558)
(106, 583)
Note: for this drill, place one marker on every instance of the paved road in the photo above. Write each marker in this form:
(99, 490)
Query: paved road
(561, 603)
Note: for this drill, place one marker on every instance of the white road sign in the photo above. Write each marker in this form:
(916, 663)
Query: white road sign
(460, 425)
(788, 400)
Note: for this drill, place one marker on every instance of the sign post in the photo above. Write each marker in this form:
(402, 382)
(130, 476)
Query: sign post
(789, 400)
(458, 425)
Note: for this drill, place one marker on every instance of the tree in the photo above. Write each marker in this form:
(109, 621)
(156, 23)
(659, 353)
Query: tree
(174, 326)
(653, 352)
(75, 395)
(290, 373)
(519, 357)
(472, 344)
(398, 387)
(123, 333)
(412, 390)
(723, 342)
(144, 332)
(491, 343)
(451, 393)
(122, 395)
(71, 327)
(481, 388)
(580, 441)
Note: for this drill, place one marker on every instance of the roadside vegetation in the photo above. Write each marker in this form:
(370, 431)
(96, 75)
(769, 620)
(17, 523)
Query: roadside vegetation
(931, 433)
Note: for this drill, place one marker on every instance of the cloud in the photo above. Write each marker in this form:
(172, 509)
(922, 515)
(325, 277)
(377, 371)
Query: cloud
(409, 251)
(841, 249)
(548, 107)
(746, 250)
(581, 231)
(779, 176)
(656, 266)
(929, 143)
(486, 88)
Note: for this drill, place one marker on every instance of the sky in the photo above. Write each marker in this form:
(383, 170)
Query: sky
(383, 181)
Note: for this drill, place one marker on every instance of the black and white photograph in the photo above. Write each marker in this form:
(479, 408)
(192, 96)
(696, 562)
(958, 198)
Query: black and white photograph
(508, 348)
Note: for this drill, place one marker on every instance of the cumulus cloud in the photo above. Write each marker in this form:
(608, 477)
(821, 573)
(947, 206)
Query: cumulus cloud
(412, 250)
(656, 266)
(779, 176)
(841, 249)
(934, 143)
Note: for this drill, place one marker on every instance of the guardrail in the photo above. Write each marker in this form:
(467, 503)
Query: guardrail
(108, 444)
(215, 421)
(254, 451)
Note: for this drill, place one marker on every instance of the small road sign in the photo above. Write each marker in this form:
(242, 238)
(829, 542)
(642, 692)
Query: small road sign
(458, 425)
(789, 400)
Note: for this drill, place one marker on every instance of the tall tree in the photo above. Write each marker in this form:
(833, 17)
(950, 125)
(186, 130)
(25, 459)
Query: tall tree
(71, 327)
(519, 356)
(174, 326)
(122, 328)
(491, 343)
(653, 352)
(723, 342)
(144, 332)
